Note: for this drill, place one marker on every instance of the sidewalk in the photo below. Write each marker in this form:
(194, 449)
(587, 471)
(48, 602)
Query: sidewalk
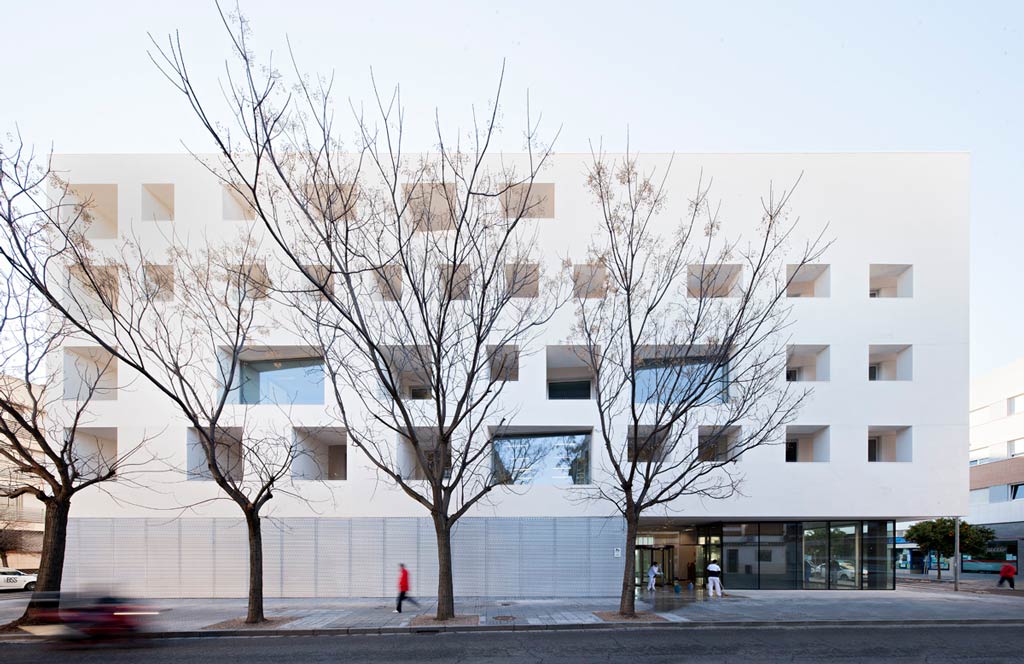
(906, 605)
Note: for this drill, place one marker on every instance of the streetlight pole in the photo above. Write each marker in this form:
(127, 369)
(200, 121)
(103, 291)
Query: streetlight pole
(956, 556)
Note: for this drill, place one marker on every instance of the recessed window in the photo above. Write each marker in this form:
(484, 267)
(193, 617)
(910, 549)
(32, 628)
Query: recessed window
(807, 443)
(589, 280)
(438, 463)
(890, 362)
(159, 282)
(568, 372)
(410, 367)
(891, 280)
(322, 281)
(529, 200)
(1017, 492)
(158, 202)
(283, 381)
(889, 444)
(523, 279)
(94, 450)
(93, 292)
(93, 209)
(228, 453)
(1015, 405)
(251, 281)
(90, 373)
(320, 454)
(713, 280)
(331, 202)
(717, 444)
(807, 362)
(523, 455)
(647, 444)
(388, 282)
(808, 280)
(235, 206)
(276, 375)
(431, 206)
(504, 362)
(455, 282)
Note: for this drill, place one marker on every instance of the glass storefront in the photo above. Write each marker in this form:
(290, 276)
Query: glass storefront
(823, 555)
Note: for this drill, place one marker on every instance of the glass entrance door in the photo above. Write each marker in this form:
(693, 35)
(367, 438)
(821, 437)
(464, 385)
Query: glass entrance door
(648, 555)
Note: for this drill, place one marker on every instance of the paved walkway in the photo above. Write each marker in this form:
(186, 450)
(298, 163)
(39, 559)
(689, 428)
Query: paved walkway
(915, 601)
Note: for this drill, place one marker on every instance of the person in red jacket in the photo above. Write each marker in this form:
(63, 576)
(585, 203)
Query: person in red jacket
(403, 588)
(1006, 573)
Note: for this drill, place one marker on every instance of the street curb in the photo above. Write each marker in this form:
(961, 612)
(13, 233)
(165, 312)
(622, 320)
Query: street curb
(525, 627)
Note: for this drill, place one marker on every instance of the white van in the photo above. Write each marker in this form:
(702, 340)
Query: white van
(12, 579)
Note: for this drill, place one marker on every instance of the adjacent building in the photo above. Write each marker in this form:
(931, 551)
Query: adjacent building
(997, 462)
(880, 332)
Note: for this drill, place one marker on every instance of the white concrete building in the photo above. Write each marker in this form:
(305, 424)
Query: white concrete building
(880, 331)
(997, 461)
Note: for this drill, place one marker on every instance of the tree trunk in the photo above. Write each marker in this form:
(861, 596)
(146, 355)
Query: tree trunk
(51, 559)
(3, 558)
(627, 601)
(445, 585)
(255, 611)
(938, 565)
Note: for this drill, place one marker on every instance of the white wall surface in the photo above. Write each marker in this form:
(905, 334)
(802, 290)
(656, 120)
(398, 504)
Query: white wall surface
(879, 208)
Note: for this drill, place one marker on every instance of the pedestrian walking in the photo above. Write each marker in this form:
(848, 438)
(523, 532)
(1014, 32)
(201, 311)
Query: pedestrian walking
(1006, 573)
(714, 579)
(403, 589)
(652, 574)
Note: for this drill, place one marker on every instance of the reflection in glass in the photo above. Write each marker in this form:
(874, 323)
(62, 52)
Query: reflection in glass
(844, 572)
(542, 458)
(672, 380)
(296, 381)
(815, 555)
(779, 556)
(740, 550)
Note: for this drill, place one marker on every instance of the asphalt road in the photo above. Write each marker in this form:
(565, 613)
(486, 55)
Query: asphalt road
(847, 644)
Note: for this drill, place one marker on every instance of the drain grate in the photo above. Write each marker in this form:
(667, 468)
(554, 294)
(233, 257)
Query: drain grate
(503, 618)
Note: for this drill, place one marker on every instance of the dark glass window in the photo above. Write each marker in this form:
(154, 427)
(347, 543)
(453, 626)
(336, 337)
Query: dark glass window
(878, 542)
(779, 556)
(872, 450)
(791, 451)
(740, 549)
(570, 389)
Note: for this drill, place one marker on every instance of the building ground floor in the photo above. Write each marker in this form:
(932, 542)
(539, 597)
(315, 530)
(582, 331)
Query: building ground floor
(493, 556)
(772, 555)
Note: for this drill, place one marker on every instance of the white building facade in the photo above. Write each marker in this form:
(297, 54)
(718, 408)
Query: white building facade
(880, 332)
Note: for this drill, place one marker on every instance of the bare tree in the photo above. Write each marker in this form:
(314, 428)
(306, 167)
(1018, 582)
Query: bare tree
(47, 448)
(425, 267)
(684, 333)
(184, 321)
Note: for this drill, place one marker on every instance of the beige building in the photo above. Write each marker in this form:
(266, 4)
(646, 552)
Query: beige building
(997, 459)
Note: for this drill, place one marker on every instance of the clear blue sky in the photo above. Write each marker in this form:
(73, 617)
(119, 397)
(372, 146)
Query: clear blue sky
(685, 77)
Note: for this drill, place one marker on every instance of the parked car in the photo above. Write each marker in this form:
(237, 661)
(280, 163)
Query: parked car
(12, 579)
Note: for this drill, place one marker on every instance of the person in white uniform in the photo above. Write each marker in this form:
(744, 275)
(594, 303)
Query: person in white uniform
(714, 579)
(653, 573)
